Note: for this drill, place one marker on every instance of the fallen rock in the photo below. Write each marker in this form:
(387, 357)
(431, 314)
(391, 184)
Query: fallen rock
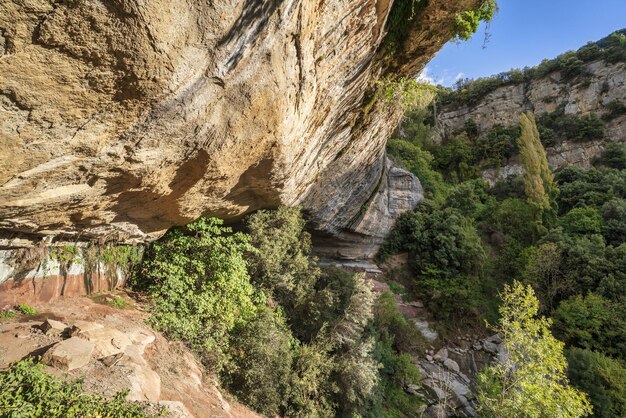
(70, 354)
(141, 339)
(112, 360)
(436, 411)
(52, 327)
(108, 341)
(452, 365)
(84, 326)
(416, 304)
(441, 355)
(145, 383)
(490, 347)
(413, 389)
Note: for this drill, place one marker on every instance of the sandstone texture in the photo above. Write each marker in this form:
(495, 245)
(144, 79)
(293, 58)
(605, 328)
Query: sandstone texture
(120, 119)
(113, 350)
(606, 82)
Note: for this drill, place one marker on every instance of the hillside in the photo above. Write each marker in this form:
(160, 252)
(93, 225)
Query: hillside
(578, 98)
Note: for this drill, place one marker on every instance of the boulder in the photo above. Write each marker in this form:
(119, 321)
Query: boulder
(490, 347)
(452, 365)
(83, 326)
(69, 354)
(52, 327)
(108, 341)
(441, 355)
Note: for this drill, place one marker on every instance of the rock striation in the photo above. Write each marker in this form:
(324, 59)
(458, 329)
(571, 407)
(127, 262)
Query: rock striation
(120, 119)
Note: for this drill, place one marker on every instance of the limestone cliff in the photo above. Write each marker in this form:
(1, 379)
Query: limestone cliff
(603, 83)
(120, 119)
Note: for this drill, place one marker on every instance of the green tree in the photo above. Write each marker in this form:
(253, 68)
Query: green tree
(530, 381)
(592, 322)
(279, 258)
(261, 356)
(543, 272)
(356, 371)
(582, 221)
(614, 215)
(538, 179)
(198, 281)
(602, 377)
(310, 389)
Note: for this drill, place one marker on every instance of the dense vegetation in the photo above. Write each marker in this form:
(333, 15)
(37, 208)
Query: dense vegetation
(562, 233)
(26, 390)
(571, 65)
(286, 336)
(530, 381)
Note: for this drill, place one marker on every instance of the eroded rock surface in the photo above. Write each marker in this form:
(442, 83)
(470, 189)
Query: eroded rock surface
(605, 83)
(113, 350)
(119, 119)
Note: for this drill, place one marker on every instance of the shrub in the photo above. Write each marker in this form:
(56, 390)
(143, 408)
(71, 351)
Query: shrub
(556, 127)
(582, 221)
(614, 216)
(310, 389)
(418, 162)
(7, 314)
(279, 258)
(393, 328)
(26, 390)
(26, 309)
(515, 218)
(456, 158)
(324, 304)
(470, 198)
(447, 256)
(509, 187)
(615, 108)
(199, 285)
(613, 156)
(592, 187)
(543, 272)
(592, 322)
(496, 145)
(602, 377)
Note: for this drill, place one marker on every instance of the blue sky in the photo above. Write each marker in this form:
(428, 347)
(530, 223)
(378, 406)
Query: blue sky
(523, 33)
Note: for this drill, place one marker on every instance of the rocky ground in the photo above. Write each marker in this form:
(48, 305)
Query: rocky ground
(448, 366)
(105, 340)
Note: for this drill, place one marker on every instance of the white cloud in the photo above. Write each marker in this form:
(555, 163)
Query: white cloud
(424, 77)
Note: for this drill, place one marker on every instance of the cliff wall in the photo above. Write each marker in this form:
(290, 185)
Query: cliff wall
(603, 83)
(120, 119)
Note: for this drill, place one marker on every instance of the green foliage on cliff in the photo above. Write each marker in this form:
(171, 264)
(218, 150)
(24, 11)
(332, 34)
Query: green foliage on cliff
(571, 65)
(467, 22)
(404, 16)
(26, 390)
(198, 281)
(288, 338)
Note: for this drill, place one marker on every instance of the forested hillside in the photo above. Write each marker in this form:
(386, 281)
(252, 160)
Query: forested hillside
(563, 232)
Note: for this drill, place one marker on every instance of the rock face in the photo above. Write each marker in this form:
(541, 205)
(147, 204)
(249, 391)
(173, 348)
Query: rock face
(120, 119)
(112, 350)
(397, 192)
(605, 83)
